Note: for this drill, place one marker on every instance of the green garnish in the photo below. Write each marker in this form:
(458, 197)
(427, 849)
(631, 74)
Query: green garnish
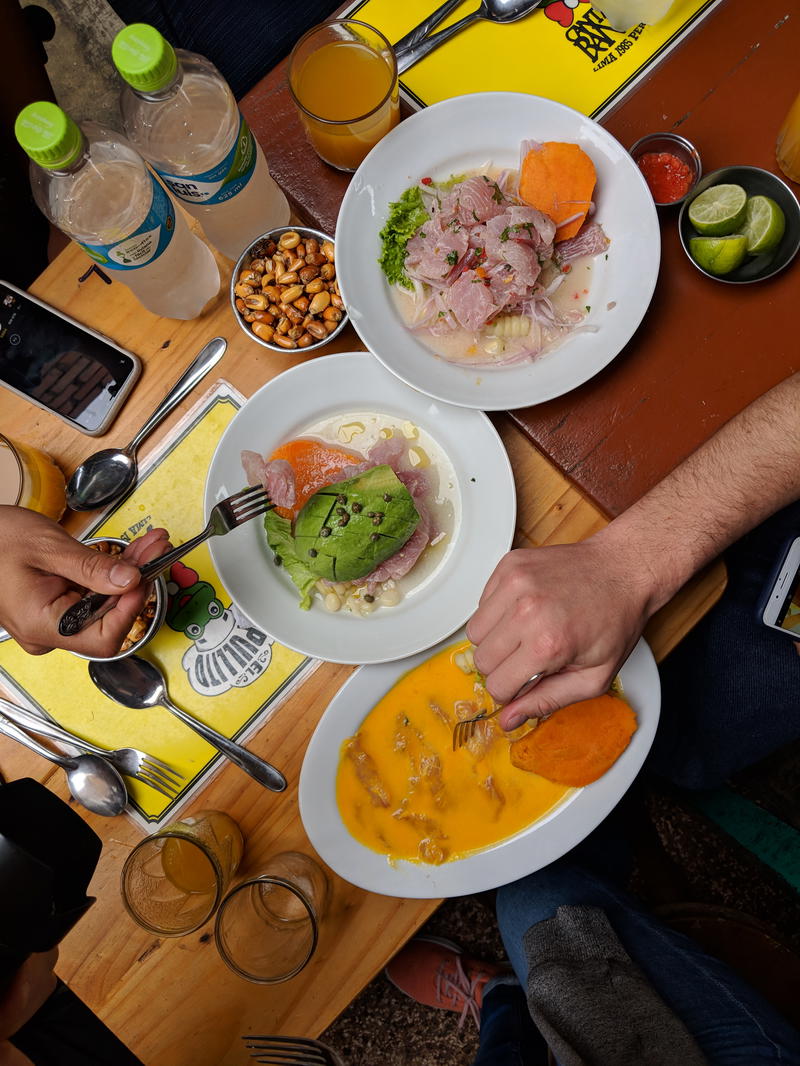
(406, 215)
(281, 541)
(452, 258)
(505, 234)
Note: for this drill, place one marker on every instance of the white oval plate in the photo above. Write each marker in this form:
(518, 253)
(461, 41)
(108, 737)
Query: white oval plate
(467, 132)
(541, 843)
(283, 409)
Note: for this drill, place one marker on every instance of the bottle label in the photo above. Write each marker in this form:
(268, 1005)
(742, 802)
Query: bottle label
(223, 181)
(146, 244)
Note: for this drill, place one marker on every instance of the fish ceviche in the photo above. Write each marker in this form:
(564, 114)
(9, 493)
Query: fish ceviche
(351, 523)
(492, 268)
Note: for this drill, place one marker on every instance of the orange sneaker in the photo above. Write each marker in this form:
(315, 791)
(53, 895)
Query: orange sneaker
(436, 972)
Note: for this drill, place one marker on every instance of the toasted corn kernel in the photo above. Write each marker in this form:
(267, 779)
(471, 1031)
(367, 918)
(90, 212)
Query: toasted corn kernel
(290, 239)
(319, 303)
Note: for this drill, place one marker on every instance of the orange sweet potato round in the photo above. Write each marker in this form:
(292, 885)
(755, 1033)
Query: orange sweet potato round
(577, 744)
(559, 178)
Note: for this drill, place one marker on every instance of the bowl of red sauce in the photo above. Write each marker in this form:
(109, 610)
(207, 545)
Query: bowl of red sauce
(670, 165)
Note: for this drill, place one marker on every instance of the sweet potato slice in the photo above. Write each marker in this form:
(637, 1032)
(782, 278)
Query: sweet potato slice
(577, 744)
(315, 465)
(558, 179)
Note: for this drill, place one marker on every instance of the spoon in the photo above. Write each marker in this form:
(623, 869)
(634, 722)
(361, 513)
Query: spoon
(107, 475)
(499, 11)
(136, 682)
(93, 782)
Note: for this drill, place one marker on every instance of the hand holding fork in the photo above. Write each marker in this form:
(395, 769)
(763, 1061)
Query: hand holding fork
(225, 516)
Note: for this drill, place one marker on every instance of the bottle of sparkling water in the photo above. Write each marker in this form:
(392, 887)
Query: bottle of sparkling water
(179, 112)
(99, 191)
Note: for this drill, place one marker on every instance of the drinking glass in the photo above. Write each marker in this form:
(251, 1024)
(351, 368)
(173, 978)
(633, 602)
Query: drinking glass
(173, 881)
(787, 149)
(267, 927)
(343, 79)
(30, 478)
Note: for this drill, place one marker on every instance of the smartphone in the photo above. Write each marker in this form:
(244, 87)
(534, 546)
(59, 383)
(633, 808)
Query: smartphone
(61, 366)
(780, 608)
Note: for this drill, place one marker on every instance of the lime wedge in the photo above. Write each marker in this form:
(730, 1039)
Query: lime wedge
(719, 210)
(718, 255)
(763, 225)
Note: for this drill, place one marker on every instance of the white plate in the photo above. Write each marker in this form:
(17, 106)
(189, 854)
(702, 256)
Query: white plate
(284, 408)
(541, 843)
(467, 132)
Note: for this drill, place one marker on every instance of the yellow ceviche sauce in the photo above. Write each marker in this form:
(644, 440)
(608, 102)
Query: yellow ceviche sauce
(402, 790)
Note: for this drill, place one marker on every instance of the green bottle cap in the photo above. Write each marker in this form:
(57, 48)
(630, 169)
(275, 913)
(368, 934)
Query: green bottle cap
(145, 60)
(48, 135)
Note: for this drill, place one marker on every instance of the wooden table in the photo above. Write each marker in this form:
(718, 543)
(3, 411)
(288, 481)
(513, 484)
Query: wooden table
(173, 1001)
(705, 349)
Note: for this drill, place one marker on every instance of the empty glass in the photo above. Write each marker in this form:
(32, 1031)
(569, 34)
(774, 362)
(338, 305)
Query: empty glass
(267, 926)
(173, 881)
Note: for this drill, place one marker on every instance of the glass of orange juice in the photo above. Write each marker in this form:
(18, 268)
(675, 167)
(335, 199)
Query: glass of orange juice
(267, 927)
(343, 78)
(30, 478)
(174, 880)
(787, 149)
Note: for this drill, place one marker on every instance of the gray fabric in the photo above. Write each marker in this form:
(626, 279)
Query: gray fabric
(592, 1003)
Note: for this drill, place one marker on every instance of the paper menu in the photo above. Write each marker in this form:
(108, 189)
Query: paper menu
(566, 51)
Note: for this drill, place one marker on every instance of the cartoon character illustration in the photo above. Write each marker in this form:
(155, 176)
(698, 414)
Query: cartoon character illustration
(562, 11)
(227, 650)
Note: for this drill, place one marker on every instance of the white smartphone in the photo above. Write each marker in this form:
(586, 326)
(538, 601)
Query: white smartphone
(61, 366)
(780, 608)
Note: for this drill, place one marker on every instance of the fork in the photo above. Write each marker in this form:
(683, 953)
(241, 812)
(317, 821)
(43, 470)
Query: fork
(225, 516)
(129, 761)
(464, 731)
(292, 1051)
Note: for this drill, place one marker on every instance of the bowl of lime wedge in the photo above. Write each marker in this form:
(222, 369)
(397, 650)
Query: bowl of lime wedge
(740, 224)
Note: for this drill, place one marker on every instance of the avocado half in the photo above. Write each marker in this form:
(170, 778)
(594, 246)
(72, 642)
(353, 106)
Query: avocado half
(347, 529)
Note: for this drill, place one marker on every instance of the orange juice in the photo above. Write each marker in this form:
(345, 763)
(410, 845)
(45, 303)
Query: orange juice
(787, 149)
(30, 478)
(344, 80)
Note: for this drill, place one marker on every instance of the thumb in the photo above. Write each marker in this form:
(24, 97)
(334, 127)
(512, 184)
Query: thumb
(95, 570)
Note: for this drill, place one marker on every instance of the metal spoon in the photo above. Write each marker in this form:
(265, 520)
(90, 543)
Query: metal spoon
(136, 682)
(93, 782)
(500, 11)
(107, 475)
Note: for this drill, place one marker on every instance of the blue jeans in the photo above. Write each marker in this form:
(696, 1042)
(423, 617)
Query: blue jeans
(508, 1035)
(731, 1022)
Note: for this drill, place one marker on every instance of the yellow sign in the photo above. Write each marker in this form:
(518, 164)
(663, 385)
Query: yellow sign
(566, 51)
(218, 665)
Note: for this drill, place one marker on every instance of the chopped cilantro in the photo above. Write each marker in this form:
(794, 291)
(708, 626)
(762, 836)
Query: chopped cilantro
(441, 314)
(497, 195)
(588, 308)
(475, 216)
(505, 234)
(452, 258)
(406, 215)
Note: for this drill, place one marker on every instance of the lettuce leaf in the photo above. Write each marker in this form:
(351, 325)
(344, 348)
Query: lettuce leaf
(281, 541)
(406, 215)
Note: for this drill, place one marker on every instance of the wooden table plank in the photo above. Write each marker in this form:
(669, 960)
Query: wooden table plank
(173, 1001)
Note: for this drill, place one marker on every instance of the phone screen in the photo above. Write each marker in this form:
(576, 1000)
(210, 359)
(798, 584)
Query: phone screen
(789, 615)
(45, 357)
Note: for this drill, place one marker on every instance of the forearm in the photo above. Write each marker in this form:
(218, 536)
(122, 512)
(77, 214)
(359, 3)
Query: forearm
(748, 470)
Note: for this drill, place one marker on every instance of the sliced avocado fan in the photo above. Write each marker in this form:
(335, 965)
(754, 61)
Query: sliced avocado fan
(347, 529)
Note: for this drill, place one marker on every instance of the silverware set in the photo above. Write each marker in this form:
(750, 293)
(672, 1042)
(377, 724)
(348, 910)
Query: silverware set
(291, 1051)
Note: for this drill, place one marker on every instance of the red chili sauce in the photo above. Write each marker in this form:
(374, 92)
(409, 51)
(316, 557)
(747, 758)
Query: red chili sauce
(667, 177)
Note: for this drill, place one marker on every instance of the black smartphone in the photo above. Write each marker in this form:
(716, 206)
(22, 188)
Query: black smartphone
(60, 365)
(780, 607)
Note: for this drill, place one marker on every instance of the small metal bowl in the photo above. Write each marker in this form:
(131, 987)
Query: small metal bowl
(156, 622)
(674, 145)
(755, 182)
(243, 260)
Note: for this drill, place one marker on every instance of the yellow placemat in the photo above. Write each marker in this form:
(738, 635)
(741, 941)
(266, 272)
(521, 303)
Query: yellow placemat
(218, 665)
(566, 51)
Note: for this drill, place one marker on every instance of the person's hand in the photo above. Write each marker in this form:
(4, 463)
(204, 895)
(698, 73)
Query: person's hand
(573, 612)
(32, 984)
(45, 571)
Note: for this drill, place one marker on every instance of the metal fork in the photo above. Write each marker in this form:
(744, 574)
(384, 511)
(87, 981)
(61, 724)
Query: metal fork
(464, 731)
(129, 761)
(225, 516)
(291, 1051)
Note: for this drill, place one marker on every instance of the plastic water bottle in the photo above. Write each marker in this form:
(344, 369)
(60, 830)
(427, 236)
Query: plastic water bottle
(179, 112)
(99, 191)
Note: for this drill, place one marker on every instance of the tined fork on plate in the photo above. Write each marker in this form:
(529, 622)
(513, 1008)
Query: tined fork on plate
(464, 731)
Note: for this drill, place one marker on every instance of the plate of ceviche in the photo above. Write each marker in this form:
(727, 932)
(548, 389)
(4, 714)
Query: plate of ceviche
(497, 250)
(391, 511)
(392, 808)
